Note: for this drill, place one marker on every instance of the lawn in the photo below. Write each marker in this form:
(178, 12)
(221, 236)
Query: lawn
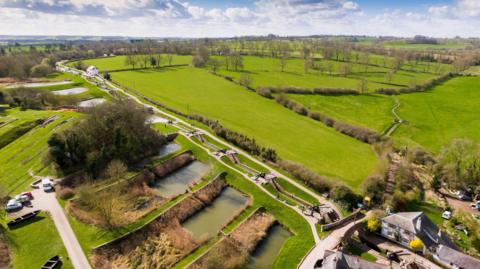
(368, 110)
(295, 138)
(266, 71)
(34, 242)
(438, 116)
(27, 151)
(118, 62)
(402, 44)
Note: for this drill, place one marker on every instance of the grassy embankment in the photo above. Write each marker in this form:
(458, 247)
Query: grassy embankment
(294, 137)
(27, 151)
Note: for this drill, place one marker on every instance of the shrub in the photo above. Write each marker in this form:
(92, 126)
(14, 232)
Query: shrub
(265, 92)
(40, 70)
(65, 193)
(345, 196)
(416, 244)
(373, 225)
(306, 175)
(374, 187)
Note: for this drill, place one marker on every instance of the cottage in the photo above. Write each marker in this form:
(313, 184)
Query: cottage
(455, 259)
(340, 260)
(92, 71)
(405, 227)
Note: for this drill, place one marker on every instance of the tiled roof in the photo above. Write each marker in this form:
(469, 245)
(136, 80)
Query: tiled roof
(340, 260)
(454, 257)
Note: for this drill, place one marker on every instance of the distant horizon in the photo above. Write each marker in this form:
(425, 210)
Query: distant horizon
(215, 19)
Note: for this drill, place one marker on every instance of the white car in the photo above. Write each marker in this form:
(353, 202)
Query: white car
(13, 205)
(447, 215)
(47, 185)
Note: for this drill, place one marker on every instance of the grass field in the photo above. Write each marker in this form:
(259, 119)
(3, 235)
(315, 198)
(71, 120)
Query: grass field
(402, 44)
(27, 151)
(118, 62)
(294, 137)
(369, 110)
(36, 241)
(267, 72)
(442, 114)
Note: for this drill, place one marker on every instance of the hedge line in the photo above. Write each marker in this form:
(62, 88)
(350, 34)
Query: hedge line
(419, 88)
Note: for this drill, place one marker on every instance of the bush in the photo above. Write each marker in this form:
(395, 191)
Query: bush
(374, 187)
(40, 70)
(265, 92)
(65, 193)
(306, 175)
(416, 244)
(345, 196)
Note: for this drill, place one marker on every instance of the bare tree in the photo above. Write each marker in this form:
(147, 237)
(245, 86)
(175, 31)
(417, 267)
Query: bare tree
(116, 169)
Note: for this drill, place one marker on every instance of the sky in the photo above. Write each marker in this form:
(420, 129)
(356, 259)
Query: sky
(227, 18)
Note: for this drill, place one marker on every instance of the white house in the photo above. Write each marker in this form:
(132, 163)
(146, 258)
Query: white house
(407, 226)
(92, 71)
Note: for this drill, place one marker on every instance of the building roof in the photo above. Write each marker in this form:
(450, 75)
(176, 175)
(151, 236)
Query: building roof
(454, 257)
(340, 260)
(420, 225)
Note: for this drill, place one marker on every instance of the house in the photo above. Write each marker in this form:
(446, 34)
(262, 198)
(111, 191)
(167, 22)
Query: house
(340, 260)
(455, 259)
(405, 227)
(92, 71)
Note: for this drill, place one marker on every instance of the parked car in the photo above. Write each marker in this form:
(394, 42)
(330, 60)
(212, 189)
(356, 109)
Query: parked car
(47, 185)
(13, 205)
(475, 205)
(22, 198)
(447, 215)
(29, 194)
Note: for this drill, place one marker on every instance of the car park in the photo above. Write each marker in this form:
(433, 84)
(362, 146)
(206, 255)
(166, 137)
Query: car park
(22, 198)
(47, 185)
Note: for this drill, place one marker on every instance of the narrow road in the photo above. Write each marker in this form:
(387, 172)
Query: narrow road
(48, 202)
(327, 243)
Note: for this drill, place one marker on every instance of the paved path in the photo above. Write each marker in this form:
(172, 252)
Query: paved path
(48, 202)
(328, 243)
(397, 120)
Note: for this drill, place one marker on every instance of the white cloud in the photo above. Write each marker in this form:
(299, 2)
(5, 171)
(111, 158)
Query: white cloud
(181, 18)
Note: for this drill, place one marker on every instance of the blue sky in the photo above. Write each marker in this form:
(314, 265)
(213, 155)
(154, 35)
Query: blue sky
(204, 18)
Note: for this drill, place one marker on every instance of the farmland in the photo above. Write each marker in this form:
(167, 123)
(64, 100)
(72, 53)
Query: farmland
(437, 116)
(369, 110)
(118, 62)
(294, 137)
(266, 71)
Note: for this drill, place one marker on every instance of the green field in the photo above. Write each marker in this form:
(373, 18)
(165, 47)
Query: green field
(266, 71)
(34, 242)
(26, 152)
(438, 116)
(402, 44)
(369, 110)
(118, 62)
(294, 137)
(434, 118)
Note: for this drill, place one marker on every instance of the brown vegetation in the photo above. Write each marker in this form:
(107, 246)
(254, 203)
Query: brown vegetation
(162, 240)
(233, 251)
(4, 252)
(173, 164)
